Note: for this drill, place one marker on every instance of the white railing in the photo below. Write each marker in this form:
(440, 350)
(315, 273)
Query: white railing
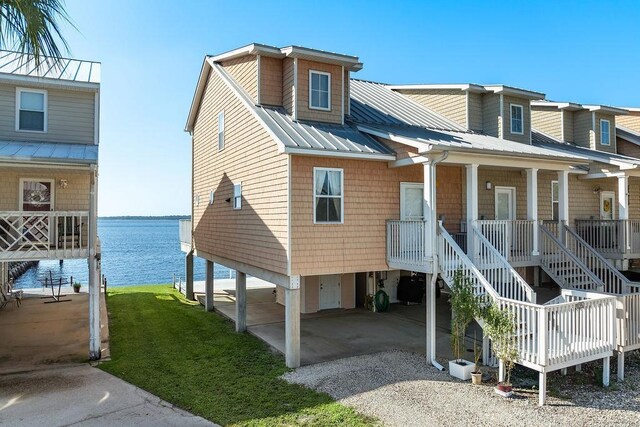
(563, 266)
(185, 231)
(497, 270)
(406, 242)
(513, 238)
(32, 235)
(628, 321)
(613, 238)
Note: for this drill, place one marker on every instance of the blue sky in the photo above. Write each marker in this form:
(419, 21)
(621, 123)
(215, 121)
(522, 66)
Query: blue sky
(151, 53)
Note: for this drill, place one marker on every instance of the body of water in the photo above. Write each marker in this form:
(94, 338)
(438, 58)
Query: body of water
(134, 251)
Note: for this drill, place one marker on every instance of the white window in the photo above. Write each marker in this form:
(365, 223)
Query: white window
(196, 199)
(212, 196)
(319, 90)
(237, 196)
(31, 110)
(605, 134)
(555, 212)
(220, 130)
(517, 114)
(328, 195)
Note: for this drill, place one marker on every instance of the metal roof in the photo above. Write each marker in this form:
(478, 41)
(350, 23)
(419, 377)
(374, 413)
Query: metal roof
(67, 69)
(628, 134)
(375, 103)
(461, 141)
(48, 152)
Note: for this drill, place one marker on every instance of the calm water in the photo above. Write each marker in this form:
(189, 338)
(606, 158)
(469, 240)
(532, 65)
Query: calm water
(133, 252)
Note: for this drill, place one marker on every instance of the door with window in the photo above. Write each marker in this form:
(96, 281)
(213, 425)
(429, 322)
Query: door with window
(411, 201)
(505, 210)
(36, 196)
(609, 232)
(329, 292)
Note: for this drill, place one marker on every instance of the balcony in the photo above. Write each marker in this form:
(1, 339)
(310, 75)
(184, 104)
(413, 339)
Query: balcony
(184, 229)
(613, 238)
(34, 236)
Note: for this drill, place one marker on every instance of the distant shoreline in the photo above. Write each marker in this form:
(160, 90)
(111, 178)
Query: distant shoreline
(139, 217)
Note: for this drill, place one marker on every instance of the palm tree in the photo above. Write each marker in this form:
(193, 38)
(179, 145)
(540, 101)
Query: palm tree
(32, 27)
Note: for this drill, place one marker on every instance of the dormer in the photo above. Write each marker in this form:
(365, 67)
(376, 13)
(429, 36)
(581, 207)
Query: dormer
(495, 110)
(589, 126)
(309, 84)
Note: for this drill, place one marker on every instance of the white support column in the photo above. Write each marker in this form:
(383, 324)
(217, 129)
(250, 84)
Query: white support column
(501, 371)
(208, 286)
(472, 205)
(563, 199)
(188, 264)
(292, 322)
(486, 348)
(241, 301)
(542, 396)
(532, 206)
(430, 303)
(94, 281)
(428, 207)
(606, 371)
(621, 366)
(623, 214)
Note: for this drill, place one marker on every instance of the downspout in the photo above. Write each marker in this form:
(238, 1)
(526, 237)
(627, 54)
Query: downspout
(434, 268)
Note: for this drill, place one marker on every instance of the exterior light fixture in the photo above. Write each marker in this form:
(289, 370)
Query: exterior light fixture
(63, 183)
(488, 185)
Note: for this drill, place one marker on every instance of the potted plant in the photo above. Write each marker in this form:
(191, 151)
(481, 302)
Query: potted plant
(464, 308)
(476, 375)
(76, 287)
(500, 327)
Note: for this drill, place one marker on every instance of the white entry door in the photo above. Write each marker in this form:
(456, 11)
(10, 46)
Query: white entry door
(411, 201)
(329, 291)
(607, 199)
(505, 211)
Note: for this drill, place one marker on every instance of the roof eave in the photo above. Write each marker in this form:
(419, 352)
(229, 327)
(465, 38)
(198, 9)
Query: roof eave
(351, 63)
(607, 109)
(250, 49)
(197, 96)
(508, 90)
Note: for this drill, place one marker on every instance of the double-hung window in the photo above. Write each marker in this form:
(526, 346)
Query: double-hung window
(237, 196)
(605, 132)
(31, 110)
(555, 211)
(517, 123)
(319, 90)
(220, 131)
(328, 195)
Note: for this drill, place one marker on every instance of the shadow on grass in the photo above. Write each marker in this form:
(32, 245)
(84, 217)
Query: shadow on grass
(195, 360)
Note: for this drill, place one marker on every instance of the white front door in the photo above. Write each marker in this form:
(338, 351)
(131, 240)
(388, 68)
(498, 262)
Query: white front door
(607, 199)
(505, 211)
(411, 201)
(329, 291)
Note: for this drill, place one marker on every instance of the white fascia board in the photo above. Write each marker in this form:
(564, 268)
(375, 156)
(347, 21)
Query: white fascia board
(467, 87)
(197, 95)
(251, 49)
(350, 62)
(343, 154)
(570, 106)
(509, 160)
(48, 83)
(606, 109)
(25, 162)
(508, 90)
(409, 161)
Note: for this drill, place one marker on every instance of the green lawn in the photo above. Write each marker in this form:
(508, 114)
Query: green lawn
(174, 349)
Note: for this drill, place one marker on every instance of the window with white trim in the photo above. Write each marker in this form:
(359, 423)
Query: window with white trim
(605, 132)
(319, 90)
(220, 130)
(31, 110)
(212, 196)
(237, 196)
(555, 201)
(517, 119)
(328, 195)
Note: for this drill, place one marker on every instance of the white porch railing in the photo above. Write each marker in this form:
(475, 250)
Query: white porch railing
(612, 238)
(406, 244)
(184, 230)
(43, 235)
(513, 238)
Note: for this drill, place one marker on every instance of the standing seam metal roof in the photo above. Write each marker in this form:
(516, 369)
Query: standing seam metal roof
(54, 152)
(74, 70)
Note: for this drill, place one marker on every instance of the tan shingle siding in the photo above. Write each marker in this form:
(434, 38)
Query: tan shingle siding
(257, 233)
(475, 111)
(582, 132)
(287, 84)
(568, 117)
(547, 121)
(450, 103)
(270, 81)
(304, 112)
(490, 113)
(631, 121)
(611, 148)
(244, 71)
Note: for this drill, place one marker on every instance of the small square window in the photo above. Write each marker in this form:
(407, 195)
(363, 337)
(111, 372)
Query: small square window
(221, 131)
(31, 111)
(605, 132)
(237, 196)
(319, 90)
(517, 114)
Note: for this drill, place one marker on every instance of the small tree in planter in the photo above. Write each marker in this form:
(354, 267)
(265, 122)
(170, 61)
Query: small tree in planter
(500, 327)
(76, 287)
(476, 375)
(464, 308)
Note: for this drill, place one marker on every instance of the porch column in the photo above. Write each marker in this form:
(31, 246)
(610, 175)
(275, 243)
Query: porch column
(532, 207)
(472, 206)
(94, 281)
(563, 200)
(428, 208)
(292, 322)
(241, 301)
(623, 216)
(188, 262)
(208, 286)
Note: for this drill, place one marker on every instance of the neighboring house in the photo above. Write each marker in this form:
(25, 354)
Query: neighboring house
(49, 135)
(628, 133)
(327, 186)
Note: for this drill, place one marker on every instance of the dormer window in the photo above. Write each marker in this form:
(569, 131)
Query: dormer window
(319, 90)
(31, 110)
(517, 114)
(605, 132)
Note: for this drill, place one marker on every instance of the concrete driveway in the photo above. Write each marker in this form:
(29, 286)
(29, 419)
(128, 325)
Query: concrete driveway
(83, 395)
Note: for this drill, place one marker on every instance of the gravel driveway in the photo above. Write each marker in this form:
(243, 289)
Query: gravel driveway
(401, 390)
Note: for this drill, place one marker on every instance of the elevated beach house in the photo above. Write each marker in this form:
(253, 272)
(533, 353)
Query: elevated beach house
(326, 186)
(49, 136)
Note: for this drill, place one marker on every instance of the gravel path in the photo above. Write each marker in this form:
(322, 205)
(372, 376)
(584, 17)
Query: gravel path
(401, 390)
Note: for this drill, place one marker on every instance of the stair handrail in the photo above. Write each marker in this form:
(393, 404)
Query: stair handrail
(545, 232)
(504, 265)
(622, 284)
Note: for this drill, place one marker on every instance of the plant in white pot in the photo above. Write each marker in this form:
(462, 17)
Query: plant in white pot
(500, 327)
(476, 375)
(464, 308)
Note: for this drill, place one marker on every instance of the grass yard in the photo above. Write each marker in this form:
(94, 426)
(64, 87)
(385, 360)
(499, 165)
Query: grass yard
(172, 348)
